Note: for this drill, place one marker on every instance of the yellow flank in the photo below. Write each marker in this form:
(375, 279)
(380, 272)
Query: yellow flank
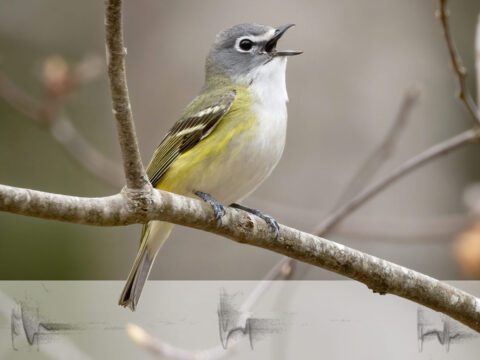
(206, 157)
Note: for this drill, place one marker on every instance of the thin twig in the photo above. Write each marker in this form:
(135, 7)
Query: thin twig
(19, 99)
(62, 130)
(477, 58)
(378, 229)
(456, 62)
(84, 153)
(417, 161)
(382, 152)
(136, 177)
(429, 154)
(404, 231)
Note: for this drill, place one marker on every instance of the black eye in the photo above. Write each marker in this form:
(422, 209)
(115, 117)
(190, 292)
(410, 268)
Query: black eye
(246, 45)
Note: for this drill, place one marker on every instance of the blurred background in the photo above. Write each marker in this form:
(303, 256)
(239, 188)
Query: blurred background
(360, 58)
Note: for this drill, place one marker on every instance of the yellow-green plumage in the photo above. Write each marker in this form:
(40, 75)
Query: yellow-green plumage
(203, 158)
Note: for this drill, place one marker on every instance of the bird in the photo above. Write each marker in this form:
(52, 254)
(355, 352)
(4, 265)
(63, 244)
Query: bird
(228, 139)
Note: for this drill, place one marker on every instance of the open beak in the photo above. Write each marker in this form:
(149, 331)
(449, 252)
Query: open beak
(271, 45)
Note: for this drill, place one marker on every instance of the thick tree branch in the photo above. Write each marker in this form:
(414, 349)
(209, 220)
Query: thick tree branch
(417, 161)
(456, 61)
(379, 275)
(116, 52)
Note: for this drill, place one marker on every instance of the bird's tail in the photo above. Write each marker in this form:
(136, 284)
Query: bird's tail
(154, 235)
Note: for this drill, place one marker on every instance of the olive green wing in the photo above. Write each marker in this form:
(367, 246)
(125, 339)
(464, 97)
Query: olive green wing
(199, 120)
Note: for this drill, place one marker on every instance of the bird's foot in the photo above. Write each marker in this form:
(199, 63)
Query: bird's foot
(218, 209)
(271, 222)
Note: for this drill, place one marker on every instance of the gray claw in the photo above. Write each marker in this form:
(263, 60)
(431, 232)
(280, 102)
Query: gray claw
(218, 209)
(271, 222)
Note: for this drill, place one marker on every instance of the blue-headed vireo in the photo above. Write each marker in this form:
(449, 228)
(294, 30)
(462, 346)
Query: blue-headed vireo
(229, 138)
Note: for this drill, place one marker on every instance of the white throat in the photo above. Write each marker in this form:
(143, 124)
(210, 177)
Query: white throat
(269, 95)
(267, 83)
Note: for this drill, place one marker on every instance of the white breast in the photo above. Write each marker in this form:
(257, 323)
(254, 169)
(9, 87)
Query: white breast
(270, 94)
(265, 147)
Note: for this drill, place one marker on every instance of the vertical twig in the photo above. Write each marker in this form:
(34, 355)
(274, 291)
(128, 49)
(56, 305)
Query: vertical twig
(136, 177)
(477, 58)
(457, 65)
(382, 152)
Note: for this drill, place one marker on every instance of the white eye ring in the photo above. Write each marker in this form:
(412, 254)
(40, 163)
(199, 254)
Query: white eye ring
(244, 45)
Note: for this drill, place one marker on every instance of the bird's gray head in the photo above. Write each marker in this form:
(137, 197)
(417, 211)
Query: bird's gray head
(241, 49)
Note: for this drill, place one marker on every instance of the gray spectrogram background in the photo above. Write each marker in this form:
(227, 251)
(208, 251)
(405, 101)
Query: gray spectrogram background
(306, 320)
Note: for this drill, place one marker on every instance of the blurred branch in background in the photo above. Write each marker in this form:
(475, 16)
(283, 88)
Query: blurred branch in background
(384, 151)
(403, 231)
(383, 229)
(369, 192)
(60, 81)
(163, 350)
(434, 152)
